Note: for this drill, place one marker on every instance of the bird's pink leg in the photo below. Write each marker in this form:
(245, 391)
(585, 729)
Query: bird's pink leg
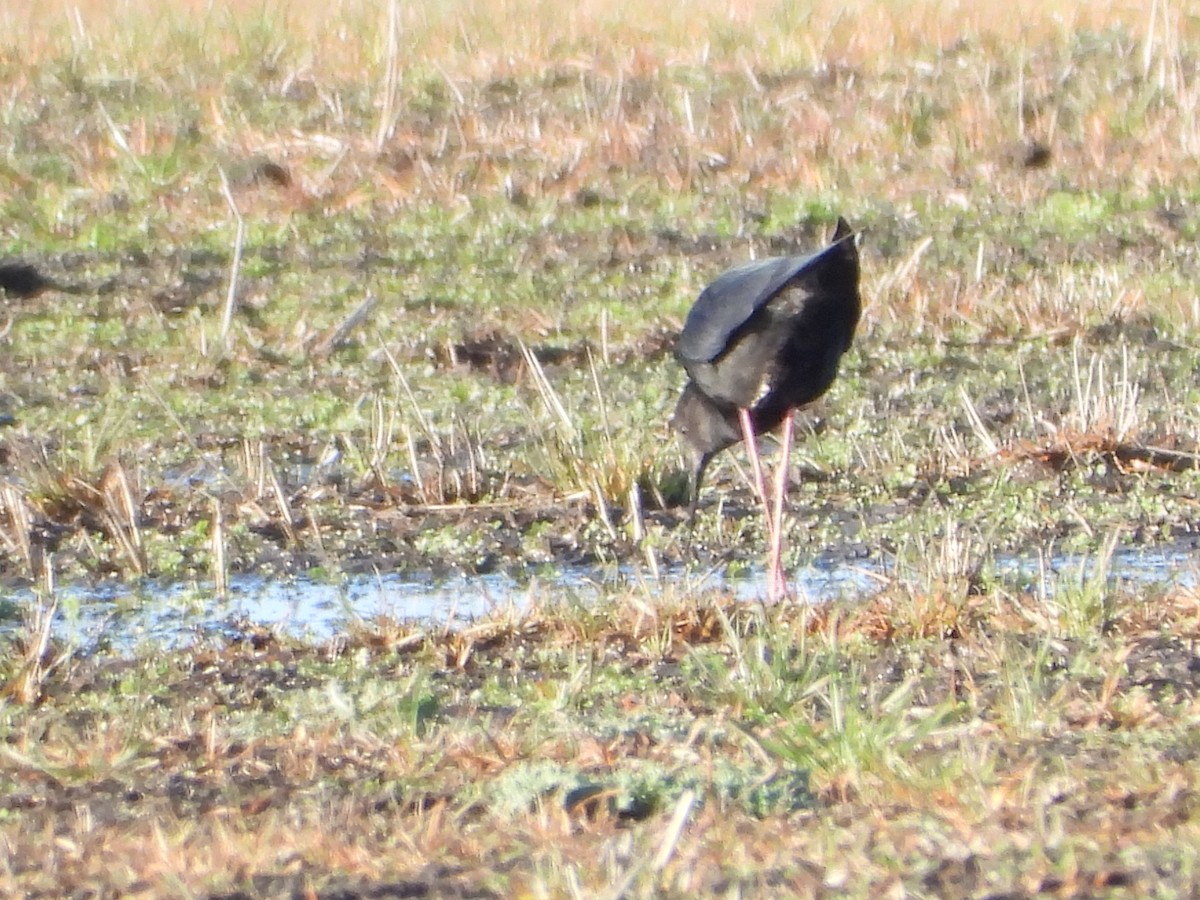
(776, 582)
(751, 443)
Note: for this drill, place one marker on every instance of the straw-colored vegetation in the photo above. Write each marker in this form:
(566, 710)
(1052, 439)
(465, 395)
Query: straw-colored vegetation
(355, 286)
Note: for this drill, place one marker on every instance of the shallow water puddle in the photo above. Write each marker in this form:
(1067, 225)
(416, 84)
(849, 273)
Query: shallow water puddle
(124, 616)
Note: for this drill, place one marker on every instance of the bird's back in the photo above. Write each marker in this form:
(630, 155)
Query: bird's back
(730, 301)
(774, 327)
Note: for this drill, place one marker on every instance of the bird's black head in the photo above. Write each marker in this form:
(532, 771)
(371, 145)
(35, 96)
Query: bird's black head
(705, 428)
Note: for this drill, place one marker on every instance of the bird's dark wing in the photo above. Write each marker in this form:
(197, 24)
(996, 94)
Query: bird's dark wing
(736, 294)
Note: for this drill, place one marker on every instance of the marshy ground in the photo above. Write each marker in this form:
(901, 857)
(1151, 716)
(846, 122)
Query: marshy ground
(350, 289)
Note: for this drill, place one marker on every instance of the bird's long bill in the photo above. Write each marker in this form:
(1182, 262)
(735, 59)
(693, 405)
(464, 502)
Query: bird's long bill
(702, 461)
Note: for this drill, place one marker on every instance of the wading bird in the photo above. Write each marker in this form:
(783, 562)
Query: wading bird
(762, 340)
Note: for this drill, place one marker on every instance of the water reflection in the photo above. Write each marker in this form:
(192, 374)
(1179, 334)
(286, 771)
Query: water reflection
(125, 616)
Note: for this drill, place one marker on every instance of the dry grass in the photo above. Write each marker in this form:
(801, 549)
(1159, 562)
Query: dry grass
(540, 135)
(523, 175)
(822, 93)
(505, 759)
(463, 34)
